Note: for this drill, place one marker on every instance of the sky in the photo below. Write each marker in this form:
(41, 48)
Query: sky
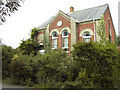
(33, 13)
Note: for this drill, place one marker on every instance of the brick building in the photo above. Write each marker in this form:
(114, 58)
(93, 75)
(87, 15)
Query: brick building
(66, 29)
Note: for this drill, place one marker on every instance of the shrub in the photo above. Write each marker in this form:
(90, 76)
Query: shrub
(97, 64)
(23, 69)
(52, 69)
(7, 54)
(29, 47)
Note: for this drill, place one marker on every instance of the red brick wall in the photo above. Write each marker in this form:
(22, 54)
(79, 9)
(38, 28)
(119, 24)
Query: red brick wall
(69, 43)
(65, 21)
(40, 32)
(106, 16)
(85, 26)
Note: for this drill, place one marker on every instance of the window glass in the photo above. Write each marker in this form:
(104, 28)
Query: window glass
(54, 43)
(86, 40)
(54, 40)
(54, 34)
(86, 37)
(65, 35)
(65, 42)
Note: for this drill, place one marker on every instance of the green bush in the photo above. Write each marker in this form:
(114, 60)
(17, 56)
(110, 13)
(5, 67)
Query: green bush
(24, 68)
(29, 47)
(91, 65)
(97, 64)
(7, 54)
(52, 69)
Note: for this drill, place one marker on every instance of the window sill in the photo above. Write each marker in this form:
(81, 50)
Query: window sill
(65, 47)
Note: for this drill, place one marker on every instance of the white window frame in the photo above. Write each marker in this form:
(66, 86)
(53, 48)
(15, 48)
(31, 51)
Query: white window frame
(86, 37)
(63, 37)
(54, 38)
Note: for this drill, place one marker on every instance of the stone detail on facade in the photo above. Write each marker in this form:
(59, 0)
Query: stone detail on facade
(87, 29)
(54, 30)
(73, 33)
(97, 36)
(40, 38)
(67, 28)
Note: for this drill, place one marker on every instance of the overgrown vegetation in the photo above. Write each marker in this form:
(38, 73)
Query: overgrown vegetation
(7, 54)
(101, 30)
(7, 7)
(34, 33)
(91, 65)
(98, 64)
(24, 69)
(29, 47)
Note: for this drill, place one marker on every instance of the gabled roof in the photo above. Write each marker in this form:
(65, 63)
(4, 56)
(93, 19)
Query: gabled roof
(89, 14)
(82, 15)
(42, 26)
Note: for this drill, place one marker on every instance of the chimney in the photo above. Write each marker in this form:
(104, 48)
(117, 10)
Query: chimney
(71, 9)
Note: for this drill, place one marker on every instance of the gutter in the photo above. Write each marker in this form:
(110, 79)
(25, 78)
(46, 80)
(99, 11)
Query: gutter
(87, 20)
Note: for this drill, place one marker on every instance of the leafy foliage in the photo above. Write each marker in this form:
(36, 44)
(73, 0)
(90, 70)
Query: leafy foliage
(101, 30)
(23, 69)
(97, 64)
(34, 33)
(29, 46)
(91, 65)
(52, 69)
(8, 7)
(7, 54)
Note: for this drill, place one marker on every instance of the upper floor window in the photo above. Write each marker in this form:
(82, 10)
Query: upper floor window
(86, 36)
(65, 36)
(54, 40)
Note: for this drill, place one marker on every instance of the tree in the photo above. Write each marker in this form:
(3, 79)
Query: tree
(7, 54)
(97, 64)
(29, 47)
(7, 7)
(34, 33)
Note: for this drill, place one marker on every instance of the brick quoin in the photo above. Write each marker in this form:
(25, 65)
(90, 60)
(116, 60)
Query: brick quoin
(106, 16)
(85, 26)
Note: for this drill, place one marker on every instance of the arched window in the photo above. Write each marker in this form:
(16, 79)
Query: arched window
(86, 36)
(41, 48)
(54, 40)
(65, 36)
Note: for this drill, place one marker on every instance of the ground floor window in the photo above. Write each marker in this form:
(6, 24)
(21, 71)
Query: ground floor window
(41, 49)
(54, 43)
(86, 37)
(54, 40)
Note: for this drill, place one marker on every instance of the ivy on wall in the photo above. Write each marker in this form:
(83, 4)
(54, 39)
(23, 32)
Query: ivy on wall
(34, 33)
(101, 30)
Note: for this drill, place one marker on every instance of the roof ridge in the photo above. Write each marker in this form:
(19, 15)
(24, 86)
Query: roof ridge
(92, 7)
